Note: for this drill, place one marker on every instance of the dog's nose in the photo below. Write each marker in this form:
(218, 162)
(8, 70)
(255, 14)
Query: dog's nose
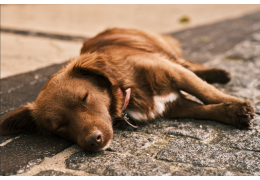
(94, 140)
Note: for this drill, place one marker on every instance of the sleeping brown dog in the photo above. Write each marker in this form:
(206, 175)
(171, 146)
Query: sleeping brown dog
(123, 71)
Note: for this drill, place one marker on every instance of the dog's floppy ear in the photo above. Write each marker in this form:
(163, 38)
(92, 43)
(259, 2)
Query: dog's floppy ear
(18, 121)
(94, 64)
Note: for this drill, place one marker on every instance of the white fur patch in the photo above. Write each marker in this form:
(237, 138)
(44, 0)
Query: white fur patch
(159, 107)
(159, 103)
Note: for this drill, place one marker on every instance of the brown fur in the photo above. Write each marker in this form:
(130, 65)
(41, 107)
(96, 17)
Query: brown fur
(81, 100)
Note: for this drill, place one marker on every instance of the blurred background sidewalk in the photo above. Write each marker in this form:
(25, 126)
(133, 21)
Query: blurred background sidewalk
(21, 54)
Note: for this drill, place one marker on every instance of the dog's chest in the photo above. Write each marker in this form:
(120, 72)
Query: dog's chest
(158, 110)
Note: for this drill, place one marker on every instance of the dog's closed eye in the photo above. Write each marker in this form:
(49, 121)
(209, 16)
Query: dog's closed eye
(84, 100)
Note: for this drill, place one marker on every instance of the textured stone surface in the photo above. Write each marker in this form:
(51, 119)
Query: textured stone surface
(241, 85)
(28, 150)
(194, 130)
(206, 155)
(20, 89)
(53, 173)
(204, 44)
(201, 130)
(130, 142)
(256, 123)
(248, 49)
(112, 164)
(198, 171)
(239, 139)
(5, 138)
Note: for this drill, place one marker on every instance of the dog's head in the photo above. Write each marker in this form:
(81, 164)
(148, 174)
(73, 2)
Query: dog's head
(78, 103)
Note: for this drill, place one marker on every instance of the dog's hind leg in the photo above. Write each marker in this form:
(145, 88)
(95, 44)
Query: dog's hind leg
(211, 75)
(227, 113)
(214, 75)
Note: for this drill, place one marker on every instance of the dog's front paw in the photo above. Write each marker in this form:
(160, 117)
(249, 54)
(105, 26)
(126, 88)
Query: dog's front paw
(240, 115)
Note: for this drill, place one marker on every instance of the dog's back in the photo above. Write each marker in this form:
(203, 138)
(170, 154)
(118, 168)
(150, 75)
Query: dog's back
(135, 39)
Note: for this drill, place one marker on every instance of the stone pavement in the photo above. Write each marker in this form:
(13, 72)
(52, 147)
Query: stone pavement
(163, 147)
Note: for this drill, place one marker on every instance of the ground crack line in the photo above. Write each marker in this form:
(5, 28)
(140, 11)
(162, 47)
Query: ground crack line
(45, 35)
(23, 85)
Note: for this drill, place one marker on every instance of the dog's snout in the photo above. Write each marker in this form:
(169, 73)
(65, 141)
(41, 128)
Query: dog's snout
(94, 141)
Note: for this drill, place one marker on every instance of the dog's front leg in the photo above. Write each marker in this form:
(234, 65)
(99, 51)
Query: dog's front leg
(211, 75)
(229, 113)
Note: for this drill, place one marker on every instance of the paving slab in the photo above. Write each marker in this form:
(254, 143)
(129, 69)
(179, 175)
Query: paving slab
(29, 150)
(56, 165)
(207, 155)
(130, 142)
(198, 171)
(113, 164)
(204, 44)
(237, 139)
(201, 130)
(53, 173)
(165, 147)
(20, 89)
(20, 54)
(5, 139)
